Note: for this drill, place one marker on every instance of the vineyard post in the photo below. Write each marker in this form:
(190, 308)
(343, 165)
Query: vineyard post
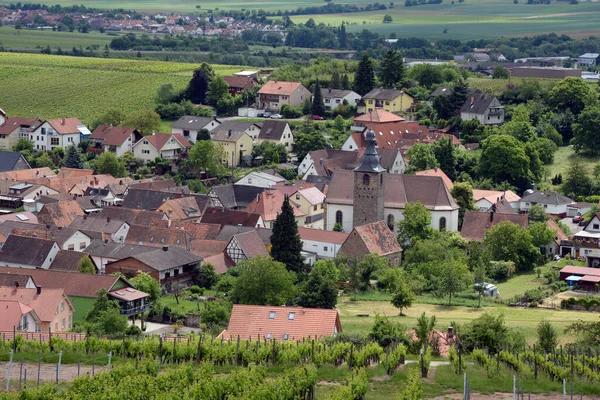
(564, 388)
(79, 366)
(174, 349)
(274, 344)
(93, 363)
(514, 387)
(387, 366)
(9, 368)
(160, 348)
(237, 351)
(20, 373)
(58, 366)
(50, 339)
(535, 367)
(459, 358)
(199, 352)
(14, 344)
(313, 351)
(25, 380)
(39, 367)
(351, 356)
(109, 357)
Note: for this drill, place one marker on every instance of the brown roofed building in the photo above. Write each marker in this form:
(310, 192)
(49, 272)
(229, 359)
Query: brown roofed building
(68, 261)
(13, 129)
(373, 238)
(115, 139)
(157, 236)
(222, 262)
(243, 246)
(207, 248)
(60, 132)
(60, 214)
(17, 316)
(268, 204)
(476, 223)
(223, 217)
(184, 208)
(325, 162)
(15, 278)
(133, 216)
(437, 172)
(281, 323)
(237, 84)
(26, 175)
(163, 145)
(98, 227)
(278, 132)
(233, 143)
(274, 94)
(377, 116)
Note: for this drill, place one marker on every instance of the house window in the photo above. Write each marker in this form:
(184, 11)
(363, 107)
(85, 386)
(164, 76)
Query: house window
(291, 316)
(38, 328)
(315, 207)
(339, 216)
(43, 131)
(387, 103)
(176, 272)
(145, 142)
(390, 222)
(443, 224)
(63, 323)
(366, 179)
(82, 245)
(145, 151)
(71, 247)
(325, 248)
(286, 336)
(62, 306)
(56, 326)
(167, 275)
(272, 315)
(186, 133)
(596, 226)
(269, 335)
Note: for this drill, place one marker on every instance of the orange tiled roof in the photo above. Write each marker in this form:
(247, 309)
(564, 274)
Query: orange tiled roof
(280, 88)
(44, 304)
(268, 205)
(437, 172)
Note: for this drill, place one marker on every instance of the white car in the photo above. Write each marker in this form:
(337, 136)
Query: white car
(276, 116)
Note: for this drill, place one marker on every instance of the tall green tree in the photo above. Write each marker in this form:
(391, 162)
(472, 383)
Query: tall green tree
(105, 316)
(318, 291)
(403, 296)
(86, 266)
(286, 245)
(73, 158)
(503, 158)
(459, 95)
(114, 117)
(451, 278)
(263, 281)
(108, 163)
(541, 235)
(336, 81)
(421, 157)
(392, 70)
(345, 82)
(317, 107)
(547, 336)
(585, 131)
(445, 154)
(537, 213)
(198, 86)
(218, 91)
(343, 37)
(577, 179)
(145, 121)
(144, 282)
(205, 156)
(509, 242)
(463, 195)
(569, 94)
(415, 226)
(364, 78)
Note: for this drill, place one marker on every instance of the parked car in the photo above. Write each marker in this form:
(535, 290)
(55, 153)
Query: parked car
(276, 116)
(317, 118)
(582, 222)
(264, 114)
(577, 219)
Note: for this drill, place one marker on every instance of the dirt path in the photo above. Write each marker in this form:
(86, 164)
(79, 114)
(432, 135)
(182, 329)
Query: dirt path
(68, 372)
(508, 396)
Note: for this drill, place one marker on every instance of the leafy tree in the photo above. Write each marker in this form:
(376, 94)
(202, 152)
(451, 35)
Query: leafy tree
(270, 152)
(207, 277)
(263, 281)
(537, 213)
(443, 107)
(205, 156)
(318, 107)
(166, 94)
(415, 226)
(486, 332)
(541, 235)
(403, 296)
(520, 126)
(286, 245)
(445, 154)
(413, 389)
(44, 160)
(585, 131)
(336, 82)
(198, 86)
(589, 331)
(364, 78)
(345, 82)
(577, 180)
(309, 141)
(451, 278)
(387, 19)
(105, 316)
(546, 149)
(503, 158)
(306, 106)
(114, 117)
(226, 283)
(392, 69)
(569, 94)
(422, 157)
(385, 332)
(145, 121)
(86, 266)
(547, 336)
(144, 282)
(360, 272)
(203, 134)
(462, 192)
(499, 72)
(338, 227)
(218, 90)
(216, 312)
(424, 328)
(459, 95)
(73, 158)
(108, 163)
(535, 164)
(327, 268)
(427, 75)
(318, 291)
(509, 242)
(479, 278)
(23, 145)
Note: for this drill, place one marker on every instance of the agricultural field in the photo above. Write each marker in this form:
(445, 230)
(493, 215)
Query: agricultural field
(59, 86)
(32, 39)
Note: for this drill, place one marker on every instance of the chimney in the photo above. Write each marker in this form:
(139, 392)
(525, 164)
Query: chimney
(492, 214)
(84, 216)
(168, 223)
(165, 248)
(229, 133)
(105, 242)
(121, 182)
(62, 121)
(239, 228)
(107, 220)
(329, 90)
(450, 333)
(38, 290)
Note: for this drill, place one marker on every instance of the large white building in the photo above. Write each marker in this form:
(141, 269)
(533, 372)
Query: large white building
(62, 132)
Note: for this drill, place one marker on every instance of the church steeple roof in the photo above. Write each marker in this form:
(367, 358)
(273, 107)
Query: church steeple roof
(370, 160)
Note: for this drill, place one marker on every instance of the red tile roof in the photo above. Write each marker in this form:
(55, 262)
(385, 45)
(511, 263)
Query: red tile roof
(268, 205)
(207, 248)
(12, 124)
(45, 304)
(12, 311)
(378, 238)
(222, 262)
(113, 135)
(159, 140)
(378, 116)
(437, 172)
(248, 322)
(240, 82)
(319, 235)
(493, 195)
(583, 271)
(251, 244)
(65, 126)
(60, 214)
(280, 88)
(477, 223)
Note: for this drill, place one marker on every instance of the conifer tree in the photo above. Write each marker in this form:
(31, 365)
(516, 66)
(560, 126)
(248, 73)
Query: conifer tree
(392, 70)
(198, 86)
(364, 79)
(73, 158)
(345, 82)
(343, 39)
(285, 240)
(335, 82)
(318, 107)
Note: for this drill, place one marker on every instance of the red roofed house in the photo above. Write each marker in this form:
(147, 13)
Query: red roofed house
(61, 132)
(274, 94)
(13, 129)
(437, 172)
(373, 238)
(180, 209)
(163, 145)
(268, 205)
(586, 278)
(281, 323)
(484, 199)
(325, 244)
(237, 84)
(116, 139)
(477, 223)
(244, 246)
(18, 316)
(377, 116)
(52, 306)
(60, 214)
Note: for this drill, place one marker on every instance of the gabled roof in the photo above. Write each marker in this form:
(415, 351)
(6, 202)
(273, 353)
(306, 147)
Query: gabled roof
(384, 94)
(319, 235)
(44, 304)
(65, 173)
(222, 262)
(502, 206)
(65, 126)
(233, 196)
(8, 159)
(12, 124)
(313, 195)
(377, 237)
(101, 248)
(194, 229)
(192, 123)
(25, 216)
(229, 231)
(547, 197)
(160, 259)
(25, 175)
(12, 312)
(227, 136)
(272, 130)
(97, 224)
(159, 140)
(398, 190)
(280, 88)
(182, 208)
(25, 250)
(559, 234)
(494, 195)
(250, 322)
(145, 199)
(251, 244)
(132, 216)
(60, 214)
(237, 126)
(156, 237)
(329, 93)
(378, 116)
(114, 135)
(10, 275)
(393, 134)
(477, 102)
(477, 223)
(442, 90)
(223, 216)
(327, 161)
(67, 261)
(207, 248)
(268, 205)
(437, 172)
(571, 269)
(240, 82)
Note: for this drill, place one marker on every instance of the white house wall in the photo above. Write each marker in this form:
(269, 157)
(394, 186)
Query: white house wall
(76, 241)
(318, 248)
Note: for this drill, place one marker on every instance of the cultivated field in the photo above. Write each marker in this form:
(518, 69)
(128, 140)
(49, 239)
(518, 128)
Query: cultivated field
(60, 86)
(30, 39)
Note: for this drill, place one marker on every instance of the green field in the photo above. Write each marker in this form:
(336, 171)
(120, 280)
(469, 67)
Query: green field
(31, 39)
(35, 85)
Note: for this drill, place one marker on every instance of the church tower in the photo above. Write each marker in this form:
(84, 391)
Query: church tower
(368, 186)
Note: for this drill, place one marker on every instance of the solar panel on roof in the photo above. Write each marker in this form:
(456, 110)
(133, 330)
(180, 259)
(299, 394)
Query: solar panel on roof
(130, 290)
(120, 293)
(23, 217)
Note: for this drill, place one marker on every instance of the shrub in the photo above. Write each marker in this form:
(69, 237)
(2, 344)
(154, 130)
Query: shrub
(195, 289)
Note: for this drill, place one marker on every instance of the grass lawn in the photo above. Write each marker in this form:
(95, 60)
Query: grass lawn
(31, 39)
(561, 162)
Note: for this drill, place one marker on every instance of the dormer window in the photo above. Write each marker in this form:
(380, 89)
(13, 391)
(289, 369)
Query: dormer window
(272, 315)
(292, 316)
